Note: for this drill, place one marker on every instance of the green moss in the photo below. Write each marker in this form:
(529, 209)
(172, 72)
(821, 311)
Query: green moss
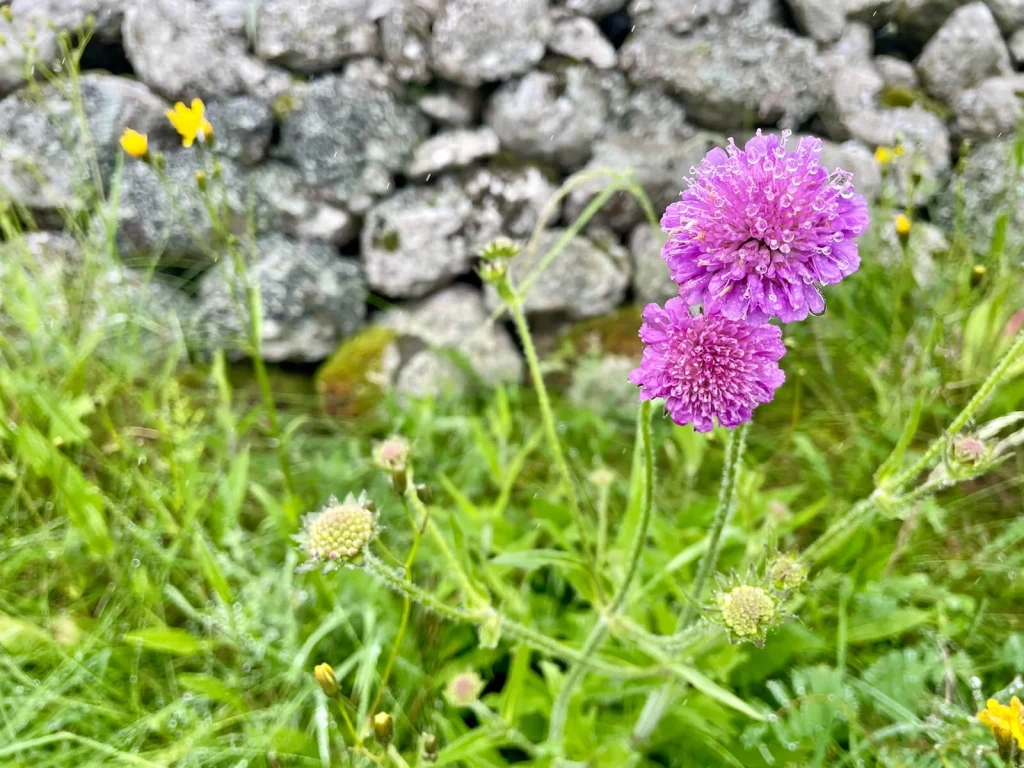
(350, 382)
(613, 334)
(284, 105)
(896, 96)
(389, 241)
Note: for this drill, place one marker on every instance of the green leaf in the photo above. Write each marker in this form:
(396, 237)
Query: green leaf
(715, 691)
(532, 559)
(166, 640)
(211, 688)
(892, 464)
(232, 492)
(892, 625)
(210, 569)
(468, 745)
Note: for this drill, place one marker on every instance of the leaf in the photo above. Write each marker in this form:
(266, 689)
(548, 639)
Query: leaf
(19, 636)
(211, 688)
(515, 683)
(232, 491)
(468, 745)
(532, 559)
(715, 691)
(892, 464)
(210, 569)
(166, 640)
(892, 625)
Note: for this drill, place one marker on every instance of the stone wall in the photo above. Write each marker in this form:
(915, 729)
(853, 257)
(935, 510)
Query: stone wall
(381, 143)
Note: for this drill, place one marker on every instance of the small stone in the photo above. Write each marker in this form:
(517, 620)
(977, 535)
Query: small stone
(185, 49)
(726, 78)
(450, 105)
(347, 137)
(243, 128)
(684, 17)
(478, 41)
(311, 298)
(405, 37)
(454, 319)
(507, 202)
(967, 49)
(414, 242)
(651, 280)
(594, 9)
(857, 44)
(588, 278)
(1009, 14)
(555, 116)
(453, 149)
(1017, 46)
(819, 18)
(314, 35)
(989, 110)
(897, 73)
(581, 39)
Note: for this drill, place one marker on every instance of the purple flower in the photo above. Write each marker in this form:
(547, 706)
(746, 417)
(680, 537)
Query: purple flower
(708, 366)
(757, 228)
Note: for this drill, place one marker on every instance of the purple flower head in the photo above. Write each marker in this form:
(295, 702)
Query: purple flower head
(708, 366)
(758, 227)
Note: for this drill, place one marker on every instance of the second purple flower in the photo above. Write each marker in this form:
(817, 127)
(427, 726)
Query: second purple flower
(758, 228)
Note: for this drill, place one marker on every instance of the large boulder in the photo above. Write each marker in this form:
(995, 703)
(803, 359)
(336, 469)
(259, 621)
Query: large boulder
(314, 35)
(723, 74)
(507, 202)
(683, 17)
(405, 39)
(990, 109)
(453, 320)
(348, 136)
(414, 241)
(1009, 14)
(478, 41)
(283, 203)
(967, 49)
(819, 18)
(42, 163)
(588, 278)
(310, 299)
(189, 48)
(556, 116)
(243, 128)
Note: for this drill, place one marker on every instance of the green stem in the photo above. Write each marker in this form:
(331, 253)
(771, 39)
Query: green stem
(560, 710)
(723, 512)
(512, 628)
(547, 414)
(993, 380)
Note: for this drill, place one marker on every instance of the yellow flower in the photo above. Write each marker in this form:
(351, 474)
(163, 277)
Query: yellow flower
(884, 155)
(134, 143)
(1006, 723)
(324, 675)
(903, 225)
(190, 122)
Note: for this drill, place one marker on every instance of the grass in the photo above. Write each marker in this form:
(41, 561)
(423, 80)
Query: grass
(151, 613)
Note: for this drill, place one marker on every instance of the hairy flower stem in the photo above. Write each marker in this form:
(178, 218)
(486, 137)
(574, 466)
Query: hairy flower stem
(888, 496)
(723, 512)
(547, 416)
(560, 711)
(531, 637)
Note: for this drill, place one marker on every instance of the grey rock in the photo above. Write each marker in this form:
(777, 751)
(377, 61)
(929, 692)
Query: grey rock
(897, 73)
(314, 35)
(310, 299)
(967, 49)
(555, 116)
(660, 168)
(42, 166)
(651, 280)
(580, 38)
(1009, 14)
(919, 20)
(877, 13)
(348, 137)
(856, 44)
(726, 79)
(453, 149)
(450, 105)
(507, 202)
(854, 92)
(243, 127)
(169, 222)
(284, 204)
(588, 278)
(974, 201)
(652, 115)
(823, 20)
(184, 49)
(414, 242)
(684, 17)
(601, 384)
(477, 41)
(859, 160)
(990, 109)
(595, 9)
(43, 21)
(405, 39)
(1017, 46)
(453, 319)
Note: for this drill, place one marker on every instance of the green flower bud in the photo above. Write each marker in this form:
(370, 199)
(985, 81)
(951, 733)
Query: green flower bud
(747, 611)
(383, 728)
(324, 675)
(339, 532)
(431, 745)
(464, 689)
(787, 572)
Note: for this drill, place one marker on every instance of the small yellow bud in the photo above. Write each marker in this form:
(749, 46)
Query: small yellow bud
(977, 275)
(201, 180)
(134, 143)
(903, 226)
(383, 728)
(8, 14)
(324, 675)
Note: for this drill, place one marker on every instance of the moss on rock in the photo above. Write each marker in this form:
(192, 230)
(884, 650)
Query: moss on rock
(354, 380)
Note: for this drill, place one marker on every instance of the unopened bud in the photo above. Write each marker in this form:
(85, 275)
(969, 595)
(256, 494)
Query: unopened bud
(201, 180)
(489, 631)
(786, 572)
(383, 728)
(464, 689)
(747, 611)
(324, 675)
(977, 275)
(7, 13)
(158, 160)
(500, 249)
(970, 451)
(392, 455)
(424, 493)
(903, 227)
(431, 745)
